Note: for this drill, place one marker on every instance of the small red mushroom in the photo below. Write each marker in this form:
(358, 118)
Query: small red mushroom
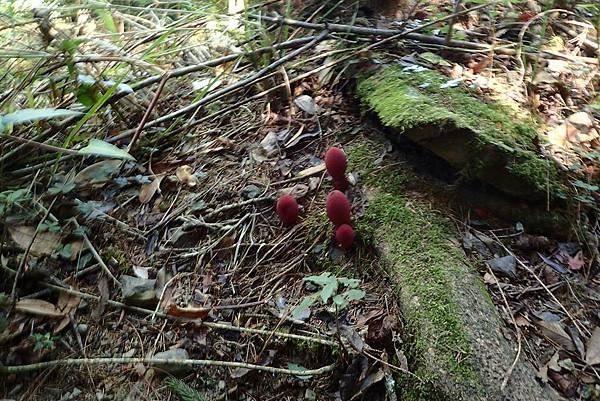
(287, 210)
(344, 234)
(336, 163)
(338, 208)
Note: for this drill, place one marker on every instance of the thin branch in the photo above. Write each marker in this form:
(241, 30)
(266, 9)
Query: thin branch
(40, 145)
(157, 361)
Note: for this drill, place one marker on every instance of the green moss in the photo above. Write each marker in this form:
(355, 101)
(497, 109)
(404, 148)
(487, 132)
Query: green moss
(498, 135)
(421, 258)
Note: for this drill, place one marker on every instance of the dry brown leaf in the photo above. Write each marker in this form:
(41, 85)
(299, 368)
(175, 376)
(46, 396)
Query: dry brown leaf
(522, 321)
(190, 313)
(489, 279)
(38, 307)
(186, 176)
(592, 353)
(45, 243)
(555, 332)
(147, 191)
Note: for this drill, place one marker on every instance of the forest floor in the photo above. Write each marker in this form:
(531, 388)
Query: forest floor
(110, 263)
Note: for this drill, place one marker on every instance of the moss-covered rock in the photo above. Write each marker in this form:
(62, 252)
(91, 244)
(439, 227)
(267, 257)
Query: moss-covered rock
(485, 140)
(453, 332)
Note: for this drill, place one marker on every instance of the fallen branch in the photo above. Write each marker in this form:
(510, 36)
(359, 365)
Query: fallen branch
(151, 361)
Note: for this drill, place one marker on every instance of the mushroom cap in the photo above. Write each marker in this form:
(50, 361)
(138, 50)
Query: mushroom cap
(336, 162)
(287, 210)
(338, 208)
(345, 234)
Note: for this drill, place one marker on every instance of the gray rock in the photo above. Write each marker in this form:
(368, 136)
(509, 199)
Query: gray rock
(506, 266)
(138, 291)
(176, 354)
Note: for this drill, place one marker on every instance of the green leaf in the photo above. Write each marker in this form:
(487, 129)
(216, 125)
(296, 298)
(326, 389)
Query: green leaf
(303, 306)
(321, 279)
(61, 188)
(298, 368)
(328, 290)
(30, 115)
(354, 295)
(349, 282)
(340, 301)
(66, 251)
(101, 148)
(107, 20)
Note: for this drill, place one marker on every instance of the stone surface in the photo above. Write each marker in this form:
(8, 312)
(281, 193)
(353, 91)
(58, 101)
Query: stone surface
(176, 354)
(453, 333)
(138, 291)
(506, 266)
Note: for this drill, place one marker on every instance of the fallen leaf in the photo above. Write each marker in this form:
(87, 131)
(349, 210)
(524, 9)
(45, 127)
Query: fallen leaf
(489, 279)
(190, 313)
(38, 307)
(592, 354)
(554, 331)
(553, 363)
(98, 172)
(147, 191)
(186, 176)
(306, 104)
(45, 243)
(521, 321)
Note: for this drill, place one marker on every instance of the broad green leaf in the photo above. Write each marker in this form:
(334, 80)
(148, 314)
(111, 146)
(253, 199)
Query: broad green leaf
(30, 115)
(303, 306)
(328, 290)
(340, 301)
(349, 282)
(354, 295)
(321, 279)
(100, 148)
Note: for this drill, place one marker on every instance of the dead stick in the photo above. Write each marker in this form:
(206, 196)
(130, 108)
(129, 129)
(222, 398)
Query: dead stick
(152, 361)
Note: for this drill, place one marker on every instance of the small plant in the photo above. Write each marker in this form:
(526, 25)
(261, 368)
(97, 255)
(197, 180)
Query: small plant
(330, 290)
(12, 198)
(183, 391)
(43, 341)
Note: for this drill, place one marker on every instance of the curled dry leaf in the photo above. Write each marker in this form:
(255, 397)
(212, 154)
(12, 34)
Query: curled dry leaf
(186, 176)
(38, 307)
(147, 191)
(555, 332)
(44, 243)
(190, 312)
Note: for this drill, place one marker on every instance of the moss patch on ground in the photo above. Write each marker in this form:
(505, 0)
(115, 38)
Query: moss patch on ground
(490, 137)
(420, 258)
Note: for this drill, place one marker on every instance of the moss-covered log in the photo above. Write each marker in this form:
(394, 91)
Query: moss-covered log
(485, 140)
(453, 332)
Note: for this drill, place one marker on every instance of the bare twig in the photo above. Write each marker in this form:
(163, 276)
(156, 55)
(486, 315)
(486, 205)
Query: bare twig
(158, 361)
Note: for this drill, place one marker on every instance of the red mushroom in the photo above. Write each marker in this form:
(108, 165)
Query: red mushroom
(287, 210)
(338, 208)
(344, 234)
(336, 162)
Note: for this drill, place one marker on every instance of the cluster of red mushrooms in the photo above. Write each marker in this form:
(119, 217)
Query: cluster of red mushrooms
(338, 207)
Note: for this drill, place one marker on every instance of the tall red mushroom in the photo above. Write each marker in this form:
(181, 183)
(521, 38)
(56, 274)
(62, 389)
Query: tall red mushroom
(287, 209)
(338, 208)
(336, 163)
